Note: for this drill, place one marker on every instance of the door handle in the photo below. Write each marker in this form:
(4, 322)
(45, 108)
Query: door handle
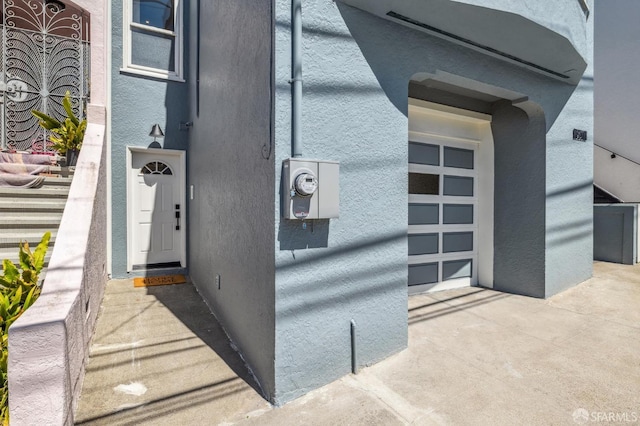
(177, 220)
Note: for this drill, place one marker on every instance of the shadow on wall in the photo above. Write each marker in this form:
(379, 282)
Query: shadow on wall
(300, 235)
(329, 286)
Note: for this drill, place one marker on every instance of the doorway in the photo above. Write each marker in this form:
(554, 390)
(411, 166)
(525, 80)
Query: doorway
(155, 209)
(450, 221)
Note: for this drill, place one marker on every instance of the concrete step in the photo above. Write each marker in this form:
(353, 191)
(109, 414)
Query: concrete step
(57, 182)
(11, 240)
(46, 221)
(24, 205)
(42, 192)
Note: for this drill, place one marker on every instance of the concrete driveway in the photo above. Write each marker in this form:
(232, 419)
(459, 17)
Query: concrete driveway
(475, 357)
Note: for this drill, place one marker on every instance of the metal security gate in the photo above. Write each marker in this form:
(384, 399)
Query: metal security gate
(45, 53)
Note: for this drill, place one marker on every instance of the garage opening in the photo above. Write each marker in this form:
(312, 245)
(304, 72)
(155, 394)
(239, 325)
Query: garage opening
(450, 220)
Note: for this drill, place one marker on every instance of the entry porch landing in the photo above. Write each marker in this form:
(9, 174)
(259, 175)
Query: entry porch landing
(475, 357)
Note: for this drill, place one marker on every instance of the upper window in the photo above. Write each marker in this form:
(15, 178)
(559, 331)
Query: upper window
(153, 38)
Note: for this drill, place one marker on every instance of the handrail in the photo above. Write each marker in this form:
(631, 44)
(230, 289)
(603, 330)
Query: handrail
(617, 155)
(585, 7)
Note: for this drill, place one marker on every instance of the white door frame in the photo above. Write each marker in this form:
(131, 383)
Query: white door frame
(182, 183)
(482, 270)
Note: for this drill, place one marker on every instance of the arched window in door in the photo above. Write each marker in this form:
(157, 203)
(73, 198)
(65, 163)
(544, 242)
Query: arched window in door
(156, 168)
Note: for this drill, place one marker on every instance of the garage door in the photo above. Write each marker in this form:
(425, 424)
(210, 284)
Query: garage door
(445, 190)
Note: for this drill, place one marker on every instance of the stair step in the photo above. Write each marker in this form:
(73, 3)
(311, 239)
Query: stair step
(42, 192)
(32, 205)
(47, 221)
(13, 239)
(63, 171)
(57, 181)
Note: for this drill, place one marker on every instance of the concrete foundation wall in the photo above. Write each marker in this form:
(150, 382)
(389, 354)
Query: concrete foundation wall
(231, 170)
(356, 71)
(139, 102)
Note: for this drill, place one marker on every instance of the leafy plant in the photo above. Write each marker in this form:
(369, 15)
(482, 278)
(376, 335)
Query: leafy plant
(19, 289)
(70, 132)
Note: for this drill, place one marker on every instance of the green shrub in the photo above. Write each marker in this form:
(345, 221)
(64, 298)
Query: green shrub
(19, 288)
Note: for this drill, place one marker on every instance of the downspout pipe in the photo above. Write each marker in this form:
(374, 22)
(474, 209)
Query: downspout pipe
(296, 78)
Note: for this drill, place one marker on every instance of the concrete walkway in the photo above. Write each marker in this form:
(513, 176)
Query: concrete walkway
(475, 357)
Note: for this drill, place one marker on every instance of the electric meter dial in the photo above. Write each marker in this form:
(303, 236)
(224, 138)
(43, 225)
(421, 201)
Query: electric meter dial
(306, 184)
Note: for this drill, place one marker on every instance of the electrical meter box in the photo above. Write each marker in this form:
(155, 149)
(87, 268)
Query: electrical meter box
(310, 189)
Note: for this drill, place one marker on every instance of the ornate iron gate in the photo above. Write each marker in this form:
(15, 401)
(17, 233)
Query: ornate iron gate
(45, 53)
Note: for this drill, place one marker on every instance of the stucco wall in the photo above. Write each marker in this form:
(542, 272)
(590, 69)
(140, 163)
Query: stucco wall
(615, 233)
(569, 185)
(231, 168)
(138, 103)
(519, 230)
(356, 70)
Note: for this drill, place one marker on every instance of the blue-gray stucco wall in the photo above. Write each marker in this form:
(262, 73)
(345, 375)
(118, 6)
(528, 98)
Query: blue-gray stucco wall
(356, 71)
(137, 104)
(231, 168)
(615, 233)
(569, 185)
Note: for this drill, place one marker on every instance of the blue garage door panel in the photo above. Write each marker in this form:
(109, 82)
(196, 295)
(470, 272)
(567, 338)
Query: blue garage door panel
(457, 214)
(423, 244)
(426, 273)
(422, 153)
(457, 241)
(460, 186)
(456, 269)
(423, 214)
(458, 157)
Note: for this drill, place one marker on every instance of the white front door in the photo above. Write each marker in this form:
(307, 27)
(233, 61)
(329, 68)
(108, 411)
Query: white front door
(156, 209)
(450, 198)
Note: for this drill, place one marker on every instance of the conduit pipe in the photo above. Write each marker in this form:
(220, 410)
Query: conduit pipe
(296, 77)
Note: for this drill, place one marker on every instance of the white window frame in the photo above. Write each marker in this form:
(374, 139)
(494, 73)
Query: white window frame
(177, 34)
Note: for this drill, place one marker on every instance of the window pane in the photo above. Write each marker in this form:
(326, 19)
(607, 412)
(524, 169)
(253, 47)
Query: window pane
(458, 157)
(155, 13)
(422, 153)
(152, 50)
(422, 183)
(457, 241)
(460, 186)
(456, 269)
(423, 274)
(457, 214)
(423, 244)
(423, 214)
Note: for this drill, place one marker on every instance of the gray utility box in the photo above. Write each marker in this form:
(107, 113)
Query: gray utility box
(310, 189)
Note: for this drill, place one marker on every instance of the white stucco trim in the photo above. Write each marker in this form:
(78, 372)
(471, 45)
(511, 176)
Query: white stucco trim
(182, 158)
(108, 142)
(449, 111)
(486, 183)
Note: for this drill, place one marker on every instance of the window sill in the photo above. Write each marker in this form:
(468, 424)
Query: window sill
(150, 74)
